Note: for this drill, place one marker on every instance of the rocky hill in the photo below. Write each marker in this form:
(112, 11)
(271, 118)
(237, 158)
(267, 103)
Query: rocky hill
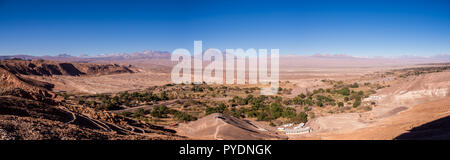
(49, 68)
(30, 110)
(14, 85)
(221, 126)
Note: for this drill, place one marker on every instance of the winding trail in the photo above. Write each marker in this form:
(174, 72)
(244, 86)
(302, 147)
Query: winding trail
(218, 129)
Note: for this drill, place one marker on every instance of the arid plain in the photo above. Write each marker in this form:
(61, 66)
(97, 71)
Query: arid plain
(132, 97)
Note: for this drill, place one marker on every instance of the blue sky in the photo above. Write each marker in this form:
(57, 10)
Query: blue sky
(358, 28)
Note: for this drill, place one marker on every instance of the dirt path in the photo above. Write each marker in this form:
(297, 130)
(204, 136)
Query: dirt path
(217, 131)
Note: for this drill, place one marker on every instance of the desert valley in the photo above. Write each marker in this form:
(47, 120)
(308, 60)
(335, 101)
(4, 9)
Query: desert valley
(131, 96)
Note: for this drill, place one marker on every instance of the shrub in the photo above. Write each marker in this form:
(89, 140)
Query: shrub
(263, 117)
(252, 113)
(81, 102)
(126, 114)
(346, 99)
(302, 117)
(240, 101)
(219, 109)
(164, 96)
(361, 93)
(319, 103)
(160, 111)
(357, 103)
(239, 113)
(289, 113)
(340, 104)
(276, 110)
(344, 91)
(354, 85)
(65, 95)
(302, 96)
(307, 109)
(139, 113)
(182, 116)
(197, 88)
(297, 100)
(256, 101)
(309, 102)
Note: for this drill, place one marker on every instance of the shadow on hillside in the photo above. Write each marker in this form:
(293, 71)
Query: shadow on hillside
(70, 69)
(435, 130)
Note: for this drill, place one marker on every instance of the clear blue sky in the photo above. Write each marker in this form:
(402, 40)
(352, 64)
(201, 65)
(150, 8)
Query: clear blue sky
(359, 28)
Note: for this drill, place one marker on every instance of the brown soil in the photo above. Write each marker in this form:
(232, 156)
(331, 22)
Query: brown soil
(29, 108)
(219, 126)
(407, 103)
(20, 87)
(394, 126)
(32, 112)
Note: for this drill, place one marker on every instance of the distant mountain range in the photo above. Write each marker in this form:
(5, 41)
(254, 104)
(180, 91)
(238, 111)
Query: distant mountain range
(105, 57)
(293, 59)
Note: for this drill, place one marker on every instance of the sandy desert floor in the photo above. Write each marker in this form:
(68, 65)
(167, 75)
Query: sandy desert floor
(106, 83)
(390, 127)
(408, 103)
